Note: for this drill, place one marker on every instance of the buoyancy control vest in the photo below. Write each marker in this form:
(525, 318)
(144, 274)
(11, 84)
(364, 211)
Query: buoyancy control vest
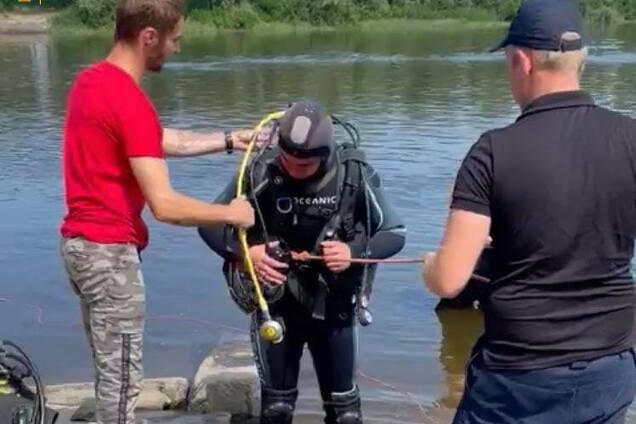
(301, 215)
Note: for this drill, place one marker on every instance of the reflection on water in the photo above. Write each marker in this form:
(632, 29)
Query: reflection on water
(420, 101)
(460, 330)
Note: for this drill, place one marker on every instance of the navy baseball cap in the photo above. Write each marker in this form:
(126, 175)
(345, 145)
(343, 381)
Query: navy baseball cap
(541, 24)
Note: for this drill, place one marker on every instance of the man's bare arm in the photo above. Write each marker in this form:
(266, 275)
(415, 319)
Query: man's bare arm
(183, 143)
(447, 271)
(171, 207)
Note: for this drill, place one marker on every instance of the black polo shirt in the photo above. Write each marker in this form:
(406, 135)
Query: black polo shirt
(560, 187)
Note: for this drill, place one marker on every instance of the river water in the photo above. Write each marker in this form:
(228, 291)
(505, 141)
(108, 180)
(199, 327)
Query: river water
(419, 98)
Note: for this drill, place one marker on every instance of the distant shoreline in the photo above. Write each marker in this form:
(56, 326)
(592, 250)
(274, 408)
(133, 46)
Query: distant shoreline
(19, 23)
(56, 23)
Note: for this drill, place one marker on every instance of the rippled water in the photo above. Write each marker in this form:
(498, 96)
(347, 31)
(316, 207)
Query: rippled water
(419, 98)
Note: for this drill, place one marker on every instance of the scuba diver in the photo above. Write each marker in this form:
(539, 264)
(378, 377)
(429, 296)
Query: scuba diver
(313, 196)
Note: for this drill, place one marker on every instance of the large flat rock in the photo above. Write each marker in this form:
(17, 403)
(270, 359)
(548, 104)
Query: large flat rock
(157, 394)
(165, 418)
(226, 382)
(225, 387)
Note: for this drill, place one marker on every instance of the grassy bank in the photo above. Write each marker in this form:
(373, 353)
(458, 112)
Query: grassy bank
(202, 29)
(79, 18)
(209, 16)
(210, 22)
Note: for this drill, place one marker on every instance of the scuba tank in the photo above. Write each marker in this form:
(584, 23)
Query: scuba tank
(5, 386)
(18, 403)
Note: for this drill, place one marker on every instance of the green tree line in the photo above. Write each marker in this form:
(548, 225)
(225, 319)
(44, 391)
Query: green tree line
(239, 14)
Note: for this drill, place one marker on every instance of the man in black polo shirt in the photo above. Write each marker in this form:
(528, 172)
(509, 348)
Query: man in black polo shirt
(556, 191)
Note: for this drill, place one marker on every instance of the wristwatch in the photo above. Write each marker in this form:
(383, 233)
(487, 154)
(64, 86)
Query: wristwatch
(229, 142)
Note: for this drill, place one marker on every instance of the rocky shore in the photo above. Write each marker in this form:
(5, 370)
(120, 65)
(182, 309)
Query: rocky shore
(223, 390)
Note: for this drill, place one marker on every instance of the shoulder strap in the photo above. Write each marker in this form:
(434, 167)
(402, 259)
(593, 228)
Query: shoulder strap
(349, 152)
(350, 180)
(354, 161)
(259, 172)
(258, 181)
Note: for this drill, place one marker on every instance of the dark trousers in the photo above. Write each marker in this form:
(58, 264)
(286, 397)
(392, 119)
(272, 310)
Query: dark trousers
(585, 392)
(332, 344)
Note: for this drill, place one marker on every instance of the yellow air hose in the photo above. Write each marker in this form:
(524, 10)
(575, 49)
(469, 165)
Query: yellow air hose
(270, 330)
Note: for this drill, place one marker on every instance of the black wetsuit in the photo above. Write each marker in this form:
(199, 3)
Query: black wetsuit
(296, 212)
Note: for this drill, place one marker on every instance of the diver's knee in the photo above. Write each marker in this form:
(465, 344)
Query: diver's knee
(278, 405)
(344, 408)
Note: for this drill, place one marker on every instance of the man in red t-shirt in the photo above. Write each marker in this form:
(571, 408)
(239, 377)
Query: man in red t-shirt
(114, 149)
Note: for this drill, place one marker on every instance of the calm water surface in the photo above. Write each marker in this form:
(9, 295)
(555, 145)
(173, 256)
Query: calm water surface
(419, 98)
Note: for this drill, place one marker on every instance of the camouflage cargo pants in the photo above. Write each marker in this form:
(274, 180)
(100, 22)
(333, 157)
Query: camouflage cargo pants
(108, 280)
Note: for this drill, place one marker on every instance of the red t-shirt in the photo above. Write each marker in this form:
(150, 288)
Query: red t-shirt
(109, 119)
